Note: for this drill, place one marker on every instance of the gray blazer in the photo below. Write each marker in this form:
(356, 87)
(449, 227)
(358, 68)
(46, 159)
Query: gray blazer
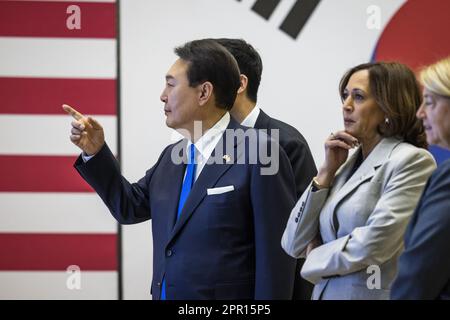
(361, 220)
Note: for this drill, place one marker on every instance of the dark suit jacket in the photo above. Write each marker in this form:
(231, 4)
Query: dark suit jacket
(424, 267)
(296, 148)
(302, 163)
(224, 246)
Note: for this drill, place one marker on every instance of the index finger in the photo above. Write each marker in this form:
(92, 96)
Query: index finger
(345, 136)
(74, 113)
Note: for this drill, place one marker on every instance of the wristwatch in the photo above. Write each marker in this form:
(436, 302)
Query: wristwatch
(317, 186)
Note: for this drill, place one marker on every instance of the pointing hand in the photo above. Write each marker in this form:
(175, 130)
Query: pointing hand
(86, 132)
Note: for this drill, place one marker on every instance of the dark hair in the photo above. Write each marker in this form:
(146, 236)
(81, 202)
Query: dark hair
(249, 62)
(396, 91)
(209, 61)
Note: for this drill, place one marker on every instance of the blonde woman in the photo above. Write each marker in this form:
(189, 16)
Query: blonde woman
(424, 270)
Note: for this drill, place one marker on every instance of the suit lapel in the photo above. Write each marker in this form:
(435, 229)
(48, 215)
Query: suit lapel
(262, 122)
(207, 179)
(367, 169)
(344, 171)
(176, 172)
(329, 224)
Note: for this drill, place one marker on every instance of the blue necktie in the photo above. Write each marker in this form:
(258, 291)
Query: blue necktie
(185, 189)
(188, 180)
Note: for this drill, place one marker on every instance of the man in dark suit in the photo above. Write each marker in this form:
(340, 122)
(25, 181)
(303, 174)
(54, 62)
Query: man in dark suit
(217, 221)
(293, 143)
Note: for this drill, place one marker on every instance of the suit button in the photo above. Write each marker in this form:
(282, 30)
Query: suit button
(169, 253)
(159, 284)
(296, 220)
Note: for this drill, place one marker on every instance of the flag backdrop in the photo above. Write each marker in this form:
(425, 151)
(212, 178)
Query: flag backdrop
(50, 218)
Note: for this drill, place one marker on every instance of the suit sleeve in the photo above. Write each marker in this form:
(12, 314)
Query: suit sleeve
(272, 197)
(424, 266)
(382, 237)
(302, 164)
(303, 223)
(127, 202)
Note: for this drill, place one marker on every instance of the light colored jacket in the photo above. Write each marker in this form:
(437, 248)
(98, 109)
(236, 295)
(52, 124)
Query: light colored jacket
(361, 220)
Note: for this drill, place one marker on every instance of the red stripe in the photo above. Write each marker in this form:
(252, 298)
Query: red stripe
(22, 252)
(49, 19)
(40, 174)
(45, 96)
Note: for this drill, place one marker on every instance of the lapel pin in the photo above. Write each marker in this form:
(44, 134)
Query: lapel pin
(227, 158)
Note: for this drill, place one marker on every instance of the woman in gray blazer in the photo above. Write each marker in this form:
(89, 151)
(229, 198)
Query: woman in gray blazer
(424, 267)
(349, 223)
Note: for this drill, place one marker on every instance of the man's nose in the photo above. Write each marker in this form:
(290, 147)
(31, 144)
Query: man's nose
(163, 97)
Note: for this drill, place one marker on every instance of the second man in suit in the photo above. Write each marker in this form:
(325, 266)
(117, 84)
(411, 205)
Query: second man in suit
(248, 114)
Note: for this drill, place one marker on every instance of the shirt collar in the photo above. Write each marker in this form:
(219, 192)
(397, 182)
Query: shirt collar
(251, 118)
(206, 144)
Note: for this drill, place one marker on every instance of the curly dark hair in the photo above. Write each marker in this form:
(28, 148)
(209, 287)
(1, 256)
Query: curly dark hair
(396, 91)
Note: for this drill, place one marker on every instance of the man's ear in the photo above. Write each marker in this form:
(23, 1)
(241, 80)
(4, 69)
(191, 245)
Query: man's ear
(206, 91)
(244, 82)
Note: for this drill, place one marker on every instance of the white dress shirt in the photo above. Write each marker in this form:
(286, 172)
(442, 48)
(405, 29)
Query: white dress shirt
(251, 118)
(206, 144)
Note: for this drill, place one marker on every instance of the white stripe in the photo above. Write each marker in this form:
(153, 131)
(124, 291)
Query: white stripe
(46, 134)
(29, 212)
(57, 57)
(53, 285)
